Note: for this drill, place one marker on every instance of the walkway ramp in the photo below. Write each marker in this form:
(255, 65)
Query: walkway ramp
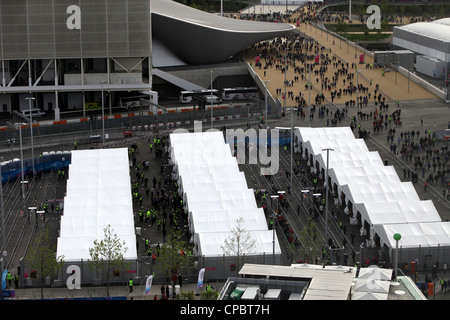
(183, 84)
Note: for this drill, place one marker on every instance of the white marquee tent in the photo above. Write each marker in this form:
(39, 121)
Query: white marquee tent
(215, 194)
(375, 191)
(98, 195)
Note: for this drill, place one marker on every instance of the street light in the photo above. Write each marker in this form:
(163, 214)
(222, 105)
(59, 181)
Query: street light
(31, 130)
(265, 100)
(211, 100)
(274, 214)
(397, 237)
(309, 95)
(103, 114)
(326, 192)
(357, 96)
(1, 207)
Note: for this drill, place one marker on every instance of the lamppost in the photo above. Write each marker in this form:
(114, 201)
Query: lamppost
(274, 215)
(265, 100)
(31, 130)
(397, 237)
(103, 114)
(309, 94)
(211, 100)
(326, 192)
(2, 208)
(357, 97)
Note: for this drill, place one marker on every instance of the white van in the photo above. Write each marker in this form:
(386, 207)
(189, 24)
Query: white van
(32, 112)
(214, 99)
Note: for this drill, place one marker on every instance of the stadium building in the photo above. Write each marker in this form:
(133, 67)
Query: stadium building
(430, 41)
(69, 54)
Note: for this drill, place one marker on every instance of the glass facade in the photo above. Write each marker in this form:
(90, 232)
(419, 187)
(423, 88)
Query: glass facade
(62, 29)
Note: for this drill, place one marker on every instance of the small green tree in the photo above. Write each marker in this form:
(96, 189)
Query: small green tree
(239, 243)
(186, 296)
(209, 295)
(42, 258)
(107, 255)
(174, 256)
(311, 242)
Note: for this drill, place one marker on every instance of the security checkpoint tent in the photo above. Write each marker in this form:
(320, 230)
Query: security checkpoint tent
(98, 194)
(375, 193)
(412, 211)
(209, 243)
(215, 194)
(223, 220)
(424, 235)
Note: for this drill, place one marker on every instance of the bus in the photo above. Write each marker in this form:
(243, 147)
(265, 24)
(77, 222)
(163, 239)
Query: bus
(186, 96)
(239, 93)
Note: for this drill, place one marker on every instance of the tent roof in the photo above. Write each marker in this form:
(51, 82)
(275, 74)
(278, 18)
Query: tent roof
(210, 243)
(416, 234)
(215, 192)
(98, 195)
(375, 190)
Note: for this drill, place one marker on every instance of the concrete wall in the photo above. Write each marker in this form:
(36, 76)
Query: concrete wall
(423, 83)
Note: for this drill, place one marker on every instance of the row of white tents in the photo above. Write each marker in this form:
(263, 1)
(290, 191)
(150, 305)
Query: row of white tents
(374, 189)
(216, 195)
(98, 194)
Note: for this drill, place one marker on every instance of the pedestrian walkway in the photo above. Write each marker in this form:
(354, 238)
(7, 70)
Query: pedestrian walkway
(394, 86)
(115, 291)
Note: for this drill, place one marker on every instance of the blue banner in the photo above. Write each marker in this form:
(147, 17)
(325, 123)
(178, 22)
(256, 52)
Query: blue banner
(5, 272)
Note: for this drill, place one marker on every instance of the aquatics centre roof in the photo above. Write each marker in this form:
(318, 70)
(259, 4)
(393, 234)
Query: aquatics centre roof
(438, 29)
(198, 37)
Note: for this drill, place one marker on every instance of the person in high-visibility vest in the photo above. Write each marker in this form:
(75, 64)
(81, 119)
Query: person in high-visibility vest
(9, 278)
(130, 285)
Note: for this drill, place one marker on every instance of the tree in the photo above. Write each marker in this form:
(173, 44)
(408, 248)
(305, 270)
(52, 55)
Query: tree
(174, 256)
(107, 255)
(341, 27)
(311, 242)
(239, 243)
(42, 258)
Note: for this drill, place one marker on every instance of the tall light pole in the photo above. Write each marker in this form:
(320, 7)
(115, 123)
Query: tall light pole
(103, 114)
(285, 72)
(357, 97)
(326, 192)
(350, 10)
(21, 166)
(397, 237)
(211, 99)
(309, 94)
(265, 100)
(31, 130)
(1, 207)
(292, 147)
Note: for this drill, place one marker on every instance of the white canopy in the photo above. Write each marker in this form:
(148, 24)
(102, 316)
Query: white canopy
(372, 285)
(416, 235)
(209, 243)
(374, 190)
(215, 193)
(376, 273)
(98, 195)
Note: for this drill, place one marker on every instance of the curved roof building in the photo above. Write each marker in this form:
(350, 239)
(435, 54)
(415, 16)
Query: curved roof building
(198, 37)
(427, 38)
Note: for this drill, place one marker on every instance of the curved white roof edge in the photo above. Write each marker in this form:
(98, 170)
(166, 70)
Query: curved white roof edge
(178, 11)
(439, 29)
